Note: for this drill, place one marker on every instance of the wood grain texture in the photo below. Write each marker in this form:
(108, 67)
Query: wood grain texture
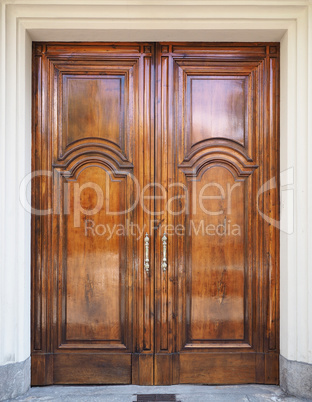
(218, 132)
(201, 120)
(96, 369)
(93, 118)
(143, 369)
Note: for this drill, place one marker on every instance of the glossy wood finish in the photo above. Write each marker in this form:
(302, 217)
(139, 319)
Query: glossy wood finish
(93, 128)
(217, 127)
(212, 316)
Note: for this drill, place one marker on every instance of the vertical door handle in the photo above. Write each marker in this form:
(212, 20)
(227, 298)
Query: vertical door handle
(164, 264)
(146, 258)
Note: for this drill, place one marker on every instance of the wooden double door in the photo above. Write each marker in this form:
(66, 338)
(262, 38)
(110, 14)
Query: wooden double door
(155, 221)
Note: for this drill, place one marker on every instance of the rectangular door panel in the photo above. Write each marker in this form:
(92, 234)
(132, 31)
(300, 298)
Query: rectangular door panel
(216, 108)
(99, 113)
(93, 266)
(95, 369)
(216, 259)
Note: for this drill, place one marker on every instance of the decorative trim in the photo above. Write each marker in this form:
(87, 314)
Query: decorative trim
(239, 167)
(255, 3)
(101, 161)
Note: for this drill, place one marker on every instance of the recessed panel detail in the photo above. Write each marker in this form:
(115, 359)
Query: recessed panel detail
(217, 257)
(94, 108)
(216, 108)
(95, 263)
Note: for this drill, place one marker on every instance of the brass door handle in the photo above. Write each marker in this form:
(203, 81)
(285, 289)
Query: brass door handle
(164, 264)
(146, 259)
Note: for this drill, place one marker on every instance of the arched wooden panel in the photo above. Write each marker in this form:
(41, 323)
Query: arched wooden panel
(93, 261)
(217, 259)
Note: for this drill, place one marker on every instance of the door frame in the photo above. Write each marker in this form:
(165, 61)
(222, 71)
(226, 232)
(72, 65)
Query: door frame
(26, 23)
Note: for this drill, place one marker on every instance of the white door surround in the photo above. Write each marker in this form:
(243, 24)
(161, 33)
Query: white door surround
(287, 21)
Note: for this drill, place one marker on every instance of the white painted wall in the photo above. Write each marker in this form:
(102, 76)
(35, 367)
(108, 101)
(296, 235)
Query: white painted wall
(289, 21)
